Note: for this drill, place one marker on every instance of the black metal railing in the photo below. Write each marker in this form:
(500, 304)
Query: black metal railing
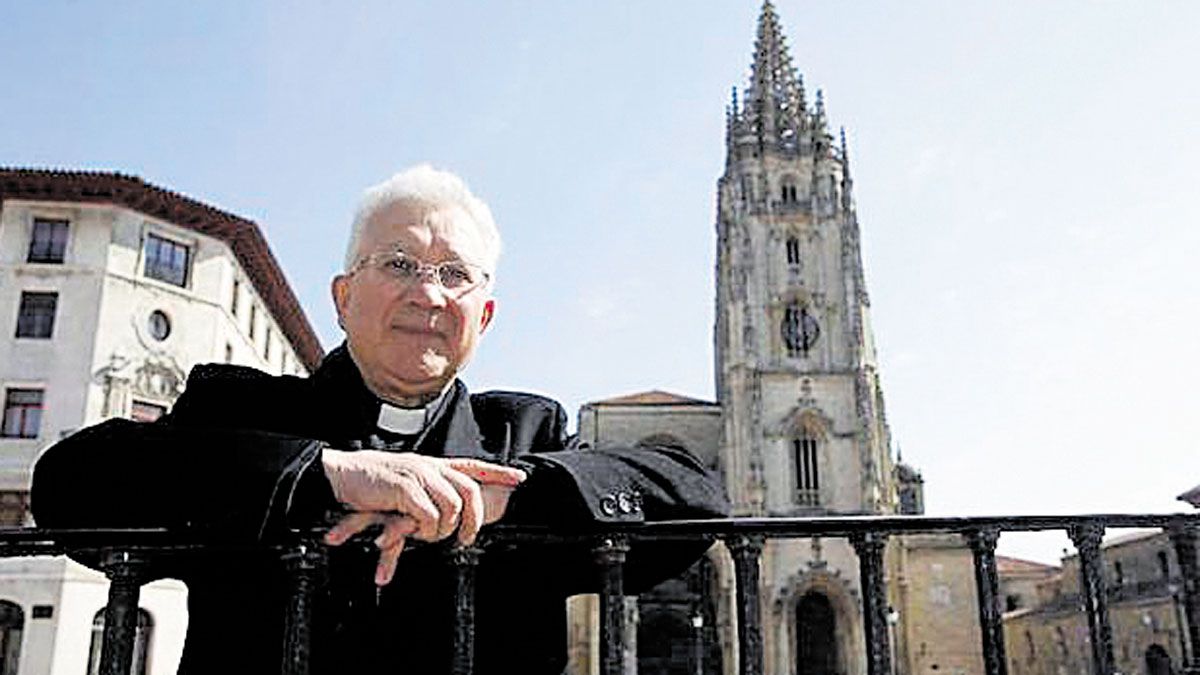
(124, 556)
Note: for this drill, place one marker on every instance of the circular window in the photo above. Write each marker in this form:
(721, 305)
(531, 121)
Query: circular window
(160, 325)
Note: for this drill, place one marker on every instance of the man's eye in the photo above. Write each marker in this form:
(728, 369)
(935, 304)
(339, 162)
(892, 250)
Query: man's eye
(403, 267)
(454, 276)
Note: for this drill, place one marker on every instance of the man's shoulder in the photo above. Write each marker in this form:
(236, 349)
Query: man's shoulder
(235, 391)
(217, 375)
(513, 403)
(526, 421)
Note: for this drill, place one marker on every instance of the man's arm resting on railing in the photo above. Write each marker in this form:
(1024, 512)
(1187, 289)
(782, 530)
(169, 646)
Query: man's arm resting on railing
(127, 474)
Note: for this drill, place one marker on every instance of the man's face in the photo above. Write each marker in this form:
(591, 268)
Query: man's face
(410, 341)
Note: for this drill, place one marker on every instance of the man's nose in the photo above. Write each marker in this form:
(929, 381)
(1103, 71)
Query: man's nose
(426, 291)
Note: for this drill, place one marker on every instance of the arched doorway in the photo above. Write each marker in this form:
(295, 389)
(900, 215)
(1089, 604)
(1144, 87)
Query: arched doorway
(816, 636)
(1158, 662)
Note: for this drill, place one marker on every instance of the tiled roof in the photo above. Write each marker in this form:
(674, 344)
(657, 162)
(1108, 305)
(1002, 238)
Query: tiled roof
(1007, 565)
(652, 397)
(243, 236)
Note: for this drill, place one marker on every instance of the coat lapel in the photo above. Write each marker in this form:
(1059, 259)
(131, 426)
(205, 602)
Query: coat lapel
(455, 433)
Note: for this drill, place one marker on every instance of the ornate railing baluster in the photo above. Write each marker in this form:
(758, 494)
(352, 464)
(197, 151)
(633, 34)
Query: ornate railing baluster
(610, 559)
(987, 587)
(305, 564)
(1087, 537)
(125, 570)
(869, 547)
(747, 551)
(465, 560)
(1183, 538)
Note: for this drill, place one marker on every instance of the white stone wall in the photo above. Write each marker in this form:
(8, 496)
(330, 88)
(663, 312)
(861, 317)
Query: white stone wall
(60, 644)
(99, 359)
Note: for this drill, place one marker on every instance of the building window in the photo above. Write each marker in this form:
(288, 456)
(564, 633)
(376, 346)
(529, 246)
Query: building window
(267, 346)
(808, 484)
(166, 260)
(253, 320)
(22, 413)
(1164, 567)
(141, 642)
(12, 625)
(799, 329)
(1012, 602)
(1118, 575)
(48, 244)
(793, 251)
(35, 319)
(233, 297)
(159, 325)
(228, 353)
(787, 193)
(146, 412)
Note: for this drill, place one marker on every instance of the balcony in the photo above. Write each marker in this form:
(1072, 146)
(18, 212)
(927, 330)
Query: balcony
(125, 555)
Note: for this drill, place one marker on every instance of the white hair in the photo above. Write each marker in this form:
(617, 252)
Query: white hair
(430, 188)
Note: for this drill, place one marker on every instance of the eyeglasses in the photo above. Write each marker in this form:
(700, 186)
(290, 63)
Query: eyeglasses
(455, 277)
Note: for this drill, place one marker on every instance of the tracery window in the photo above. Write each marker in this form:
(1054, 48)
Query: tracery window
(793, 251)
(799, 330)
(808, 482)
(787, 192)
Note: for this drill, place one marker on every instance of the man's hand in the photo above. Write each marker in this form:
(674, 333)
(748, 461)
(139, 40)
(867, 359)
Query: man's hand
(415, 495)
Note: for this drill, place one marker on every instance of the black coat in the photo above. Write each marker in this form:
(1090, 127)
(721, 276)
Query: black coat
(239, 456)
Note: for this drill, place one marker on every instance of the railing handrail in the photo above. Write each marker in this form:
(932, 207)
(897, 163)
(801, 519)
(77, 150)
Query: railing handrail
(124, 553)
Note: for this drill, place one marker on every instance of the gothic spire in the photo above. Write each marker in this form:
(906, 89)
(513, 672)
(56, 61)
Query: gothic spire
(847, 182)
(774, 102)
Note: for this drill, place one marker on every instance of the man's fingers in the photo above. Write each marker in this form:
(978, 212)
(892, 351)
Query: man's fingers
(486, 472)
(351, 525)
(395, 529)
(388, 557)
(446, 499)
(414, 500)
(472, 506)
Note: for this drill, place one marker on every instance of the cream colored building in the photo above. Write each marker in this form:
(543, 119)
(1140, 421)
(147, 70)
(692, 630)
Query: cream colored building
(111, 289)
(1049, 636)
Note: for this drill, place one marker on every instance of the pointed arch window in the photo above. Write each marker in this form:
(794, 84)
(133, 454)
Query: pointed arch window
(808, 477)
(793, 251)
(787, 192)
(141, 643)
(12, 627)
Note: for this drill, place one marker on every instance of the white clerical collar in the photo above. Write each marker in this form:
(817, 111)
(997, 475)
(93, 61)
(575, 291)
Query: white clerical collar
(408, 420)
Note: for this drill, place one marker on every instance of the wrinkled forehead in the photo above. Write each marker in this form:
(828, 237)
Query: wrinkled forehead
(430, 232)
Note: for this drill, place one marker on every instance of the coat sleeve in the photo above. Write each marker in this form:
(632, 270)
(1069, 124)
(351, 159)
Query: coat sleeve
(575, 486)
(182, 471)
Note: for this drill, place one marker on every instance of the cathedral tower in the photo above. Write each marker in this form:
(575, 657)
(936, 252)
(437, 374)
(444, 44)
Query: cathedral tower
(803, 427)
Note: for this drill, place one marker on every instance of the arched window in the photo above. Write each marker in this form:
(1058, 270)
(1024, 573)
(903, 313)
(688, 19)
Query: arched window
(141, 643)
(12, 627)
(808, 481)
(793, 251)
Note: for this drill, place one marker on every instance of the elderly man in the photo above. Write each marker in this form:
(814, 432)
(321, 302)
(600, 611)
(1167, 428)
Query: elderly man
(384, 436)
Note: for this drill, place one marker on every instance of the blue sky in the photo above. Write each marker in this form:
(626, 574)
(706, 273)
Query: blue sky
(1026, 176)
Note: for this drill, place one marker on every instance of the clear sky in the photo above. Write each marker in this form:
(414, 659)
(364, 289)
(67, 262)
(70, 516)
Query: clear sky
(1026, 176)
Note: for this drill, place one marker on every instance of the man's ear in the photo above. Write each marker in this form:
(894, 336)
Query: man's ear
(489, 311)
(339, 288)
